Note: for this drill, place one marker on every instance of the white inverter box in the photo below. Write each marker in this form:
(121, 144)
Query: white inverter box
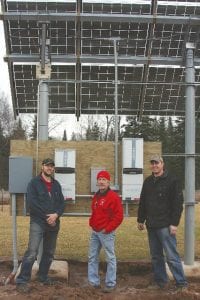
(65, 163)
(132, 168)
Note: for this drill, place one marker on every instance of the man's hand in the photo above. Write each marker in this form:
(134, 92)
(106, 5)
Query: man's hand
(140, 226)
(51, 219)
(172, 229)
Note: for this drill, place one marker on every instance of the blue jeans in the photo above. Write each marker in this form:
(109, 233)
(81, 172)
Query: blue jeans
(160, 242)
(100, 240)
(36, 234)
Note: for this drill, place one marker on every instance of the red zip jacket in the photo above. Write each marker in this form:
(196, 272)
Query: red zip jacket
(107, 211)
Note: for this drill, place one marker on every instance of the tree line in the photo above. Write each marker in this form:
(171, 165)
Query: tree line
(171, 133)
(9, 129)
(167, 130)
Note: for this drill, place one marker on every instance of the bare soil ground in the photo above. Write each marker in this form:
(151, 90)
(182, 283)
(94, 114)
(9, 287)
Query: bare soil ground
(133, 279)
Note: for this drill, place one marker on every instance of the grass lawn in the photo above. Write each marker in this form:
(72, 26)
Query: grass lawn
(74, 236)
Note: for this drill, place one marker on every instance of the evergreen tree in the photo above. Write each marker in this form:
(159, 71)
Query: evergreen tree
(131, 128)
(111, 135)
(19, 132)
(168, 146)
(146, 129)
(76, 136)
(64, 135)
(162, 130)
(178, 147)
(155, 133)
(171, 136)
(93, 133)
(73, 136)
(33, 135)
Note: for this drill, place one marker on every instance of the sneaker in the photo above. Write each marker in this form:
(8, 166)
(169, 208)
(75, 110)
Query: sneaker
(181, 288)
(153, 286)
(108, 289)
(156, 286)
(94, 286)
(23, 288)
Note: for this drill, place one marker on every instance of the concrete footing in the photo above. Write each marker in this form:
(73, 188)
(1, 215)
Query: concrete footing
(59, 270)
(190, 270)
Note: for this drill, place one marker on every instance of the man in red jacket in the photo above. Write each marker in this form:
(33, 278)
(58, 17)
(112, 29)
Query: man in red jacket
(107, 215)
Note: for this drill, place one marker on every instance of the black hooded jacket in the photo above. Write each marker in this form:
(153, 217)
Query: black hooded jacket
(42, 203)
(161, 201)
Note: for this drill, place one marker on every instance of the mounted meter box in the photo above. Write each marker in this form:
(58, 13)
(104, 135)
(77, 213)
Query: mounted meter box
(132, 168)
(65, 162)
(20, 173)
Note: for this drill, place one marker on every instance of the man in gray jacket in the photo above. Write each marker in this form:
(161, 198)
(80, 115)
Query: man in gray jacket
(46, 203)
(160, 208)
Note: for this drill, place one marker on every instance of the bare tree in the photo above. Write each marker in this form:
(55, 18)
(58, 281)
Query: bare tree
(54, 122)
(31, 126)
(97, 128)
(19, 132)
(6, 129)
(109, 122)
(6, 116)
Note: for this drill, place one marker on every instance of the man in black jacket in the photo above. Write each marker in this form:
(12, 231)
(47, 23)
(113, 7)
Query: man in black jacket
(160, 208)
(46, 204)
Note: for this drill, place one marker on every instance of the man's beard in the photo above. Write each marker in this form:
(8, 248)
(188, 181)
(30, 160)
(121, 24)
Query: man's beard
(46, 174)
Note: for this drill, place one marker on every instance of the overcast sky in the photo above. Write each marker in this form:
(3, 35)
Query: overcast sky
(4, 78)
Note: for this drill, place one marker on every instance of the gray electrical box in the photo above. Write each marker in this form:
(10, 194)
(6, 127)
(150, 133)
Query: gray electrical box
(20, 173)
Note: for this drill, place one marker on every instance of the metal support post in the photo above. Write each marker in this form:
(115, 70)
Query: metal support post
(126, 208)
(11, 277)
(42, 73)
(116, 183)
(43, 111)
(14, 228)
(190, 156)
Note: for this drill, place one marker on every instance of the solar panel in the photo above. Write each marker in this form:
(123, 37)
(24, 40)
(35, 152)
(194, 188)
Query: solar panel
(150, 38)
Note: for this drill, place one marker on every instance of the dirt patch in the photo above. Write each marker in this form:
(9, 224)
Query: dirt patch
(133, 279)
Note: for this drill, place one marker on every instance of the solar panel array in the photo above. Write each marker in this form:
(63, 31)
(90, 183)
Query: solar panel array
(150, 55)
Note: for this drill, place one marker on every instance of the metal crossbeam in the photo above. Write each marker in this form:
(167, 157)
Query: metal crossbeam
(100, 59)
(92, 17)
(148, 50)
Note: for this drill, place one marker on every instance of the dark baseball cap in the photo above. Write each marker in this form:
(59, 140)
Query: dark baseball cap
(48, 161)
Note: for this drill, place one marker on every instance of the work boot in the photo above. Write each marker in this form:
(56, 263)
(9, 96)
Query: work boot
(158, 286)
(48, 281)
(23, 288)
(181, 288)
